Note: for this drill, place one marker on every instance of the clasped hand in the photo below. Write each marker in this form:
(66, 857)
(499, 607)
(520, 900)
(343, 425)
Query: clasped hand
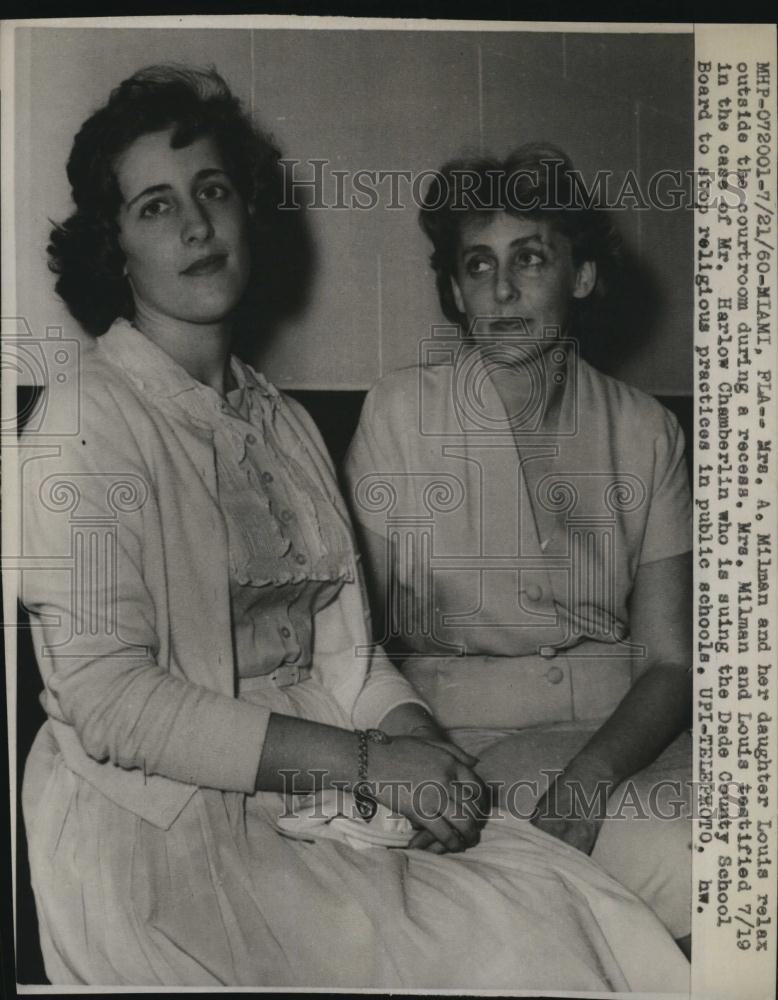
(432, 783)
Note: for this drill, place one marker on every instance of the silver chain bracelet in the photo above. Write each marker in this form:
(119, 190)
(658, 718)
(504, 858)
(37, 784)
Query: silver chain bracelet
(365, 803)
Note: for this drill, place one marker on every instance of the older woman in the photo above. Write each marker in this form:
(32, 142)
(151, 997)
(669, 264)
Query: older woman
(205, 647)
(528, 530)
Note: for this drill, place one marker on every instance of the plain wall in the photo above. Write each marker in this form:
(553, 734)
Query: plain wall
(390, 100)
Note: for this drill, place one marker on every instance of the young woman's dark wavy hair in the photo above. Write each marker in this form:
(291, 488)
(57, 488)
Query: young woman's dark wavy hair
(84, 250)
(535, 181)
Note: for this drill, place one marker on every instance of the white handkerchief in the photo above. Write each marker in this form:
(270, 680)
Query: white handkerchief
(333, 815)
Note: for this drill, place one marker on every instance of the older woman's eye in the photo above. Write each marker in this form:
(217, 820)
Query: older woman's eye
(530, 258)
(478, 265)
(153, 209)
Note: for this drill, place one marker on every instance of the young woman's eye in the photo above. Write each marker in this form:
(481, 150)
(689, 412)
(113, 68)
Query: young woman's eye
(213, 192)
(478, 265)
(153, 209)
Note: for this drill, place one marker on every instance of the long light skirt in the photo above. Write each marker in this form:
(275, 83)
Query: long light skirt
(646, 844)
(221, 899)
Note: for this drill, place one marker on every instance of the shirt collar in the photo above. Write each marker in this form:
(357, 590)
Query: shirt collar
(156, 373)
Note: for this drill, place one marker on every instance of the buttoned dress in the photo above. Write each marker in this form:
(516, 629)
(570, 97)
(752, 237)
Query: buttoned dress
(195, 573)
(503, 546)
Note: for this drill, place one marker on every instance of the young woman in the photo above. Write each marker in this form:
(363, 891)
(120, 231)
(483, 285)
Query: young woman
(203, 651)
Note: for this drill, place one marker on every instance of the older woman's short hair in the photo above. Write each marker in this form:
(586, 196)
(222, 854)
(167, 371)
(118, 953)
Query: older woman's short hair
(84, 250)
(535, 181)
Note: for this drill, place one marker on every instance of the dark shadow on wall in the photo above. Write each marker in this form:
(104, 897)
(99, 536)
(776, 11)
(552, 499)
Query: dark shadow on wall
(282, 283)
(29, 719)
(612, 330)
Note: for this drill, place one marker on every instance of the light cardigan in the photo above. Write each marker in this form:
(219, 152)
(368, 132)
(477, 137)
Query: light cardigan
(130, 610)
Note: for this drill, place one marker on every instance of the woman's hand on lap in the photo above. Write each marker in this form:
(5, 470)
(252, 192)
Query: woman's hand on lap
(433, 785)
(423, 840)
